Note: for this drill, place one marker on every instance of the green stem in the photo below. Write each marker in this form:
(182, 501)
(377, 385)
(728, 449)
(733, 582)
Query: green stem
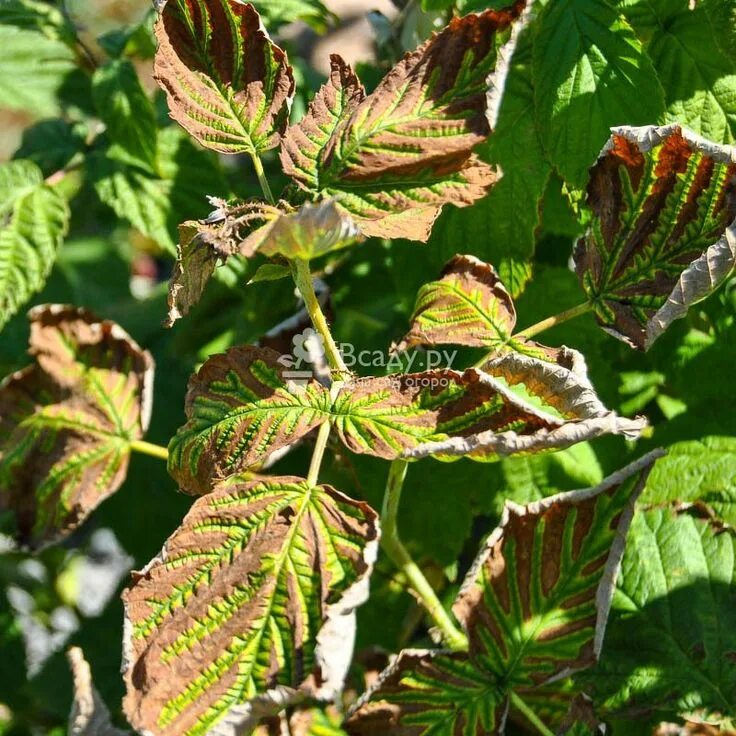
(529, 714)
(394, 548)
(303, 280)
(557, 319)
(318, 454)
(261, 174)
(148, 448)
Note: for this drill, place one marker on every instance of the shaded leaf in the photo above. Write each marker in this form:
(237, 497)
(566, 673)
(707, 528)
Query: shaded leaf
(251, 600)
(469, 306)
(226, 83)
(663, 235)
(672, 637)
(155, 203)
(395, 157)
(246, 404)
(89, 715)
(534, 605)
(66, 422)
(52, 144)
(582, 46)
(34, 219)
(127, 113)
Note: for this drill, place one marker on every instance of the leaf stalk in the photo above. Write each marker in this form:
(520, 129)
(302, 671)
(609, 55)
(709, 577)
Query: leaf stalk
(557, 319)
(319, 451)
(148, 448)
(529, 714)
(262, 180)
(395, 549)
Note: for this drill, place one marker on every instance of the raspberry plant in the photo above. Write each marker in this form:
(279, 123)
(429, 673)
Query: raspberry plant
(503, 543)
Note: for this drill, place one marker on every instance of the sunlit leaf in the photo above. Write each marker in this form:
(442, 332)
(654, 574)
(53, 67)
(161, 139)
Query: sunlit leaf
(277, 12)
(663, 235)
(671, 644)
(226, 83)
(469, 306)
(251, 600)
(34, 219)
(393, 158)
(66, 423)
(534, 606)
(246, 404)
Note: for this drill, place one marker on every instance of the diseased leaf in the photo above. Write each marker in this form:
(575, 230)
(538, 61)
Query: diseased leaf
(66, 422)
(89, 715)
(226, 83)
(34, 219)
(589, 74)
(242, 406)
(663, 235)
(156, 203)
(393, 158)
(469, 306)
(534, 606)
(672, 637)
(127, 113)
(251, 600)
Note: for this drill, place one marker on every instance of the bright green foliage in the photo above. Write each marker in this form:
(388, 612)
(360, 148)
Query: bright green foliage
(238, 600)
(534, 606)
(128, 114)
(34, 219)
(227, 84)
(581, 47)
(156, 203)
(277, 12)
(671, 643)
(701, 472)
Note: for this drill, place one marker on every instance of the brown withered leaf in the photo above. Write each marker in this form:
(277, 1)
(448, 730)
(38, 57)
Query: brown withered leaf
(89, 715)
(226, 83)
(469, 305)
(66, 422)
(250, 602)
(393, 158)
(663, 234)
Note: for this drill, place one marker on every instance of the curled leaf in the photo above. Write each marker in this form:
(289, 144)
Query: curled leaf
(250, 603)
(469, 305)
(534, 606)
(663, 235)
(67, 422)
(248, 403)
(226, 82)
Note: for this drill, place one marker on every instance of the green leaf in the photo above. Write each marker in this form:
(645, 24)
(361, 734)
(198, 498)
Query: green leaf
(663, 235)
(34, 219)
(395, 157)
(66, 422)
(278, 12)
(127, 113)
(469, 306)
(52, 144)
(589, 74)
(156, 204)
(226, 83)
(502, 225)
(534, 606)
(270, 272)
(246, 404)
(701, 472)
(251, 601)
(672, 637)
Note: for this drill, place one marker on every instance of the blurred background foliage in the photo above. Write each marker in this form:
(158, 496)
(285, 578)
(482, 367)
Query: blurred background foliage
(117, 258)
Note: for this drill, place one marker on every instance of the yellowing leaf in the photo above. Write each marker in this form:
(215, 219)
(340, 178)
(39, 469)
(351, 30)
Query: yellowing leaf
(246, 404)
(67, 422)
(663, 236)
(226, 83)
(534, 605)
(251, 600)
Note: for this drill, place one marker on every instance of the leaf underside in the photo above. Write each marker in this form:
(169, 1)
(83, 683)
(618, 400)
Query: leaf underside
(663, 236)
(251, 599)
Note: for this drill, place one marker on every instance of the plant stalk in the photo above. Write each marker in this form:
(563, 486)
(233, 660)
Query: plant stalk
(529, 714)
(262, 180)
(148, 448)
(319, 451)
(555, 320)
(303, 280)
(395, 549)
